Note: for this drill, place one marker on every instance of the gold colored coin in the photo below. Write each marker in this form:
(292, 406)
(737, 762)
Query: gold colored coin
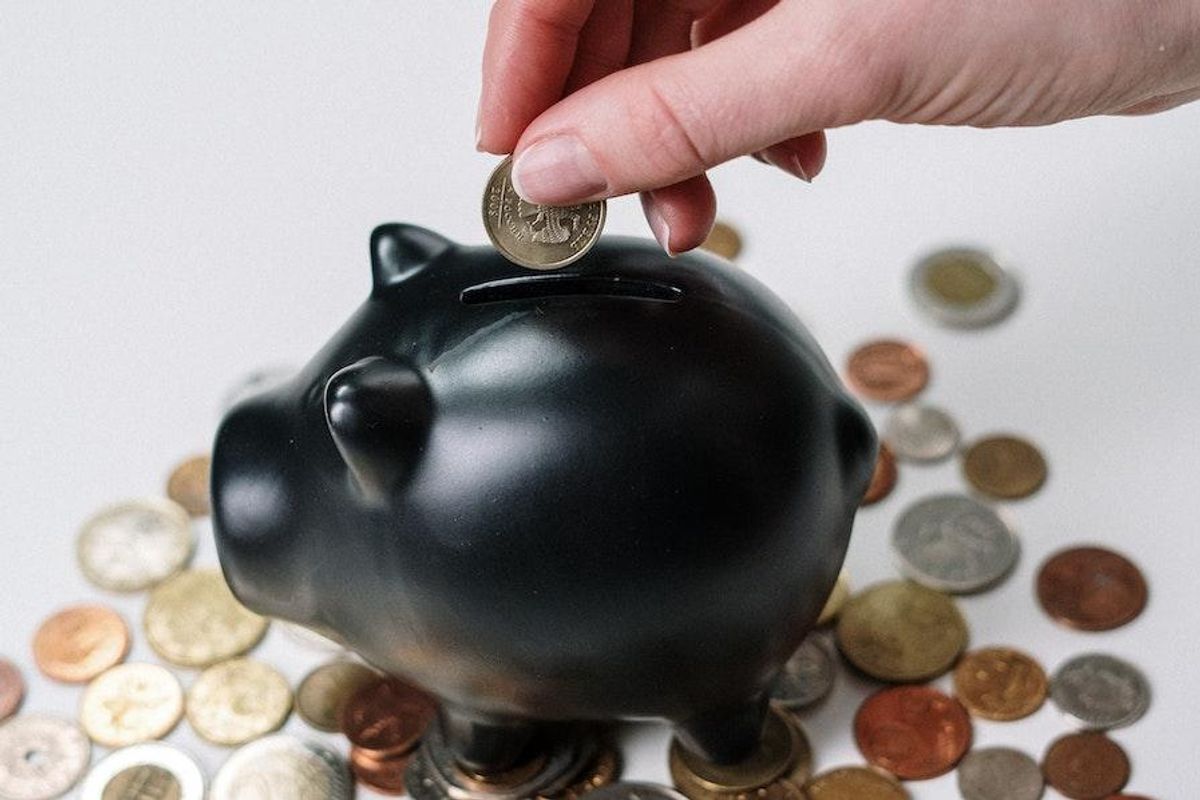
(324, 691)
(600, 771)
(724, 240)
(855, 783)
(999, 683)
(901, 632)
(958, 277)
(776, 769)
(193, 620)
(188, 485)
(131, 703)
(236, 701)
(1004, 467)
(837, 599)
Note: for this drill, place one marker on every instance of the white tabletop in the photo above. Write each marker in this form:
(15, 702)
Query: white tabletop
(185, 196)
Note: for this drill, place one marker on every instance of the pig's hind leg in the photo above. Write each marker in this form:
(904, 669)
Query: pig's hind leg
(725, 735)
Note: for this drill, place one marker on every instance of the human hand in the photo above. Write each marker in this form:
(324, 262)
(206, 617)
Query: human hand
(597, 98)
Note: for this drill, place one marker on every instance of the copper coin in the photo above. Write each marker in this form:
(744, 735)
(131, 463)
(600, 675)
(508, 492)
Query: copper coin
(913, 732)
(188, 485)
(999, 683)
(883, 479)
(387, 717)
(1086, 766)
(78, 643)
(12, 689)
(382, 775)
(1091, 588)
(887, 370)
(1004, 467)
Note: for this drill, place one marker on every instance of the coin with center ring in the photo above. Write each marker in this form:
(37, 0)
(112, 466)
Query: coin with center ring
(143, 771)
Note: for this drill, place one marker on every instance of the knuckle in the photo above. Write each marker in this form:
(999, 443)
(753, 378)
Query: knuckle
(671, 128)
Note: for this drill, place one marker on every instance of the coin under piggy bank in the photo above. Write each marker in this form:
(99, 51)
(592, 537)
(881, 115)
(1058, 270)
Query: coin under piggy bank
(623, 489)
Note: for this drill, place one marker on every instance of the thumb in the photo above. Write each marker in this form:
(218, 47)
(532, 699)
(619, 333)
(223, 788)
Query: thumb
(667, 120)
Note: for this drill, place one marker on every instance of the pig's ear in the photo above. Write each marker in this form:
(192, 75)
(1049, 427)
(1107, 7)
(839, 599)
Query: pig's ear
(379, 413)
(399, 250)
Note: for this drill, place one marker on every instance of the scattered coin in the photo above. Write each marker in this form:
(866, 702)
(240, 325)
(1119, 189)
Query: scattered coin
(954, 544)
(533, 235)
(188, 485)
(1086, 766)
(78, 643)
(1004, 467)
(131, 703)
(257, 382)
(724, 240)
(855, 783)
(807, 676)
(914, 732)
(836, 600)
(325, 691)
(41, 757)
(387, 717)
(385, 776)
(150, 771)
(901, 632)
(999, 683)
(624, 790)
(963, 287)
(783, 757)
(917, 432)
(12, 689)
(887, 370)
(999, 773)
(1100, 691)
(281, 765)
(239, 700)
(136, 544)
(193, 620)
(883, 479)
(1091, 588)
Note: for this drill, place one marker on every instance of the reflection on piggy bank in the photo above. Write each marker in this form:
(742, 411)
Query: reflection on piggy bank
(622, 489)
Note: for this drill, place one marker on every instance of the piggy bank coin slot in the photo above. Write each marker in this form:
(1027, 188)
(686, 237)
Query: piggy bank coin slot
(537, 287)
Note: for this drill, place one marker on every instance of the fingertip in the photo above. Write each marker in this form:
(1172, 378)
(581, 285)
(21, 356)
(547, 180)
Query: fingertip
(682, 214)
(801, 156)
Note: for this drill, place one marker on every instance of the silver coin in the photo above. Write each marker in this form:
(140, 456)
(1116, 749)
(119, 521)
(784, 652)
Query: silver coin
(282, 767)
(1100, 691)
(257, 382)
(918, 432)
(962, 287)
(136, 544)
(623, 790)
(41, 757)
(999, 773)
(954, 544)
(150, 771)
(807, 676)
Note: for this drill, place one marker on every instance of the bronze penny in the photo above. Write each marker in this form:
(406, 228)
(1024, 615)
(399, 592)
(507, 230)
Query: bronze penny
(913, 732)
(387, 717)
(12, 689)
(1091, 588)
(1004, 467)
(887, 370)
(1086, 766)
(1000, 684)
(855, 783)
(78, 643)
(382, 775)
(188, 485)
(883, 479)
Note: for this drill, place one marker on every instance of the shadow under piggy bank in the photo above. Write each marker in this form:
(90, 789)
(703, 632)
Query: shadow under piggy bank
(623, 489)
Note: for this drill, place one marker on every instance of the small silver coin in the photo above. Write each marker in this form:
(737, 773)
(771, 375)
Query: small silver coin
(954, 544)
(150, 771)
(1100, 691)
(963, 287)
(999, 773)
(282, 766)
(807, 676)
(918, 432)
(257, 382)
(136, 544)
(623, 790)
(41, 757)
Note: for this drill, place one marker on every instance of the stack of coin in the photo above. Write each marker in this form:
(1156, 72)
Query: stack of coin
(384, 719)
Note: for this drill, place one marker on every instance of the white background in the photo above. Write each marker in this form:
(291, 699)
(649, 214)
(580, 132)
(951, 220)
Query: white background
(186, 194)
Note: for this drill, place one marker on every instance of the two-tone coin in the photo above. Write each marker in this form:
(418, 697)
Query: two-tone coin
(41, 757)
(922, 433)
(78, 643)
(1004, 467)
(238, 700)
(963, 287)
(807, 677)
(12, 689)
(887, 370)
(1087, 766)
(131, 703)
(1100, 691)
(325, 691)
(135, 544)
(193, 620)
(954, 544)
(280, 765)
(999, 773)
(855, 783)
(149, 771)
(1091, 588)
(187, 484)
(999, 683)
(913, 732)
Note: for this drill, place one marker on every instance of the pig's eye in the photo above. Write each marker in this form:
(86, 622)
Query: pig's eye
(536, 287)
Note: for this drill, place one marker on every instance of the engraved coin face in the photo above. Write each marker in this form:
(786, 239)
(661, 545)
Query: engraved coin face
(386, 716)
(188, 485)
(324, 692)
(999, 773)
(723, 240)
(954, 544)
(131, 703)
(1086, 765)
(533, 235)
(238, 700)
(963, 287)
(1100, 691)
(914, 732)
(193, 620)
(1000, 683)
(282, 767)
(40, 757)
(626, 790)
(1091, 588)
(855, 783)
(12, 689)
(150, 771)
(836, 600)
(135, 545)
(78, 643)
(807, 676)
(887, 370)
(1004, 467)
(916, 432)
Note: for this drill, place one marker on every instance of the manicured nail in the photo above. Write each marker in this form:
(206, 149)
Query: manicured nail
(658, 222)
(557, 170)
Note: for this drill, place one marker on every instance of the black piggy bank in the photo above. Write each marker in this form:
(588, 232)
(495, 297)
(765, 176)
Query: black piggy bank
(622, 489)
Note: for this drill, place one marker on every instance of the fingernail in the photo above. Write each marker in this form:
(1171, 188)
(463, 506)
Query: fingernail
(557, 170)
(478, 136)
(658, 223)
